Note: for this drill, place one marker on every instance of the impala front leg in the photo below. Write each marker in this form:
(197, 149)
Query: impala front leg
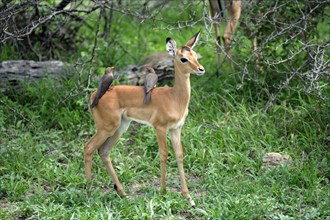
(163, 154)
(176, 142)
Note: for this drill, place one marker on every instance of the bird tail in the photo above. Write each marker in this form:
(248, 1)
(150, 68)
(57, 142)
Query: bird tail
(96, 100)
(147, 98)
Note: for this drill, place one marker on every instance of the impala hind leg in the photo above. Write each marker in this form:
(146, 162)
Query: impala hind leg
(95, 142)
(176, 142)
(163, 154)
(104, 151)
(235, 13)
(218, 47)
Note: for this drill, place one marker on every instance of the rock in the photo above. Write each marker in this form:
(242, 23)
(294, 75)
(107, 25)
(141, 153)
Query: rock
(271, 160)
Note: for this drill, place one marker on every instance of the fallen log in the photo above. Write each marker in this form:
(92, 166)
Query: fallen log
(14, 72)
(161, 62)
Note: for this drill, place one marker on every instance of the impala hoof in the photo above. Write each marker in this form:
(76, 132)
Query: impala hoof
(192, 203)
(120, 192)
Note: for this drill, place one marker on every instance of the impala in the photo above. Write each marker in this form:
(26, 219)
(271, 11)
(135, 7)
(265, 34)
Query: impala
(167, 111)
(218, 9)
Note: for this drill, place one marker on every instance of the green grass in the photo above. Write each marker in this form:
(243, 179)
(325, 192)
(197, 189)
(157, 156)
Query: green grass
(226, 134)
(224, 138)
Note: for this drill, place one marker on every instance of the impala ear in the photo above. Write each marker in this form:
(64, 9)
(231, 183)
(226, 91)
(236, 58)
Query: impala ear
(171, 46)
(193, 41)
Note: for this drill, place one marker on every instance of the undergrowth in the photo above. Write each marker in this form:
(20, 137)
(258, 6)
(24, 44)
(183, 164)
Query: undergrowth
(224, 139)
(227, 132)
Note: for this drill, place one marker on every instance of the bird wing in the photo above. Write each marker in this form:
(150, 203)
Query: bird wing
(105, 83)
(150, 82)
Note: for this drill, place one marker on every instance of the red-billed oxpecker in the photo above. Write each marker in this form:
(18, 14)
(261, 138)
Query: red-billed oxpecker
(149, 84)
(104, 85)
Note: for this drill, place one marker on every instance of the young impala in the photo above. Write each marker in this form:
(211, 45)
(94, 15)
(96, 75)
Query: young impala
(167, 110)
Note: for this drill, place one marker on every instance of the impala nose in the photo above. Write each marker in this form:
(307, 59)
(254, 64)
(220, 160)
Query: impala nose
(201, 71)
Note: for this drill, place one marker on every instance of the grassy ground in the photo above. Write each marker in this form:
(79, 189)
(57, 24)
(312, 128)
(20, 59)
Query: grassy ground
(224, 138)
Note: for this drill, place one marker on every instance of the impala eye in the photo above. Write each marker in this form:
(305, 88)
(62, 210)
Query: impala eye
(183, 60)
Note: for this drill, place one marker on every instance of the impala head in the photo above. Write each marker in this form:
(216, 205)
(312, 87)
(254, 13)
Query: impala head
(184, 57)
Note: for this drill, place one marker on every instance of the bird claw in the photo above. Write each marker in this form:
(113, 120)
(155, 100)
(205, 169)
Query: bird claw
(110, 88)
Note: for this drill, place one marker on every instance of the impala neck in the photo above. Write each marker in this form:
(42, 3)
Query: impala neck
(181, 87)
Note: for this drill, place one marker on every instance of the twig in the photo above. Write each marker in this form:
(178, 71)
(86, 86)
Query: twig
(91, 60)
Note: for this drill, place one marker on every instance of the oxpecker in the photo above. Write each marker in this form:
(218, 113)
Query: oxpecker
(149, 84)
(106, 81)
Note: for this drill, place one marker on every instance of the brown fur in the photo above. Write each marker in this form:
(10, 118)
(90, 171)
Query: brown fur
(167, 110)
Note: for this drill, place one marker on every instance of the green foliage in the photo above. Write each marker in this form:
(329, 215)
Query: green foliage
(47, 103)
(44, 127)
(224, 139)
